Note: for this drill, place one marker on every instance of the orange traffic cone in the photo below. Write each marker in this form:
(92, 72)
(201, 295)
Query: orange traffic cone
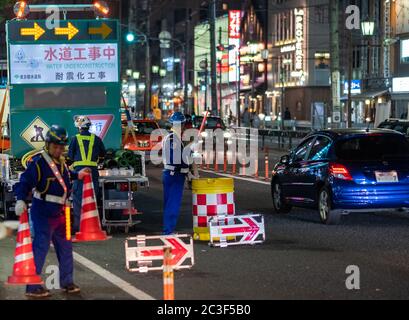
(24, 270)
(90, 227)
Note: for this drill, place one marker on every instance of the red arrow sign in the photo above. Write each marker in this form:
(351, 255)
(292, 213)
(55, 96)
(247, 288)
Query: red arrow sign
(178, 251)
(252, 229)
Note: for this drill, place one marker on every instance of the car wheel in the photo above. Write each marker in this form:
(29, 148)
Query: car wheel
(280, 206)
(327, 215)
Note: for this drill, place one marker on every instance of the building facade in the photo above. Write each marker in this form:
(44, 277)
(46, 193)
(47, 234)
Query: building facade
(400, 59)
(299, 81)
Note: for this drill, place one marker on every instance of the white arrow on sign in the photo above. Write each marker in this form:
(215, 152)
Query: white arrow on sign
(247, 229)
(182, 252)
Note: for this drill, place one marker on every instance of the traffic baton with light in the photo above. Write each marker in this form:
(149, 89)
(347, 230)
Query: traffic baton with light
(68, 222)
(168, 277)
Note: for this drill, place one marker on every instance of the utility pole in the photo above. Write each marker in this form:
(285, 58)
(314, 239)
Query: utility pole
(350, 61)
(186, 69)
(334, 54)
(213, 61)
(148, 61)
(220, 73)
(238, 104)
(206, 83)
(131, 26)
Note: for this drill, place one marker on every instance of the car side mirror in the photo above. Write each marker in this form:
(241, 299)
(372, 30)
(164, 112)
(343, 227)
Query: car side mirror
(285, 159)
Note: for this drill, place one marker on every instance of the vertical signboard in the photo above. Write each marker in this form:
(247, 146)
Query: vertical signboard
(234, 40)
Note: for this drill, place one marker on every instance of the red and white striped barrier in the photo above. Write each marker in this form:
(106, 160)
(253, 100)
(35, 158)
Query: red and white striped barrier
(207, 206)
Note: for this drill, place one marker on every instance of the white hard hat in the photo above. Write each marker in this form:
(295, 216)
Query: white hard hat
(82, 122)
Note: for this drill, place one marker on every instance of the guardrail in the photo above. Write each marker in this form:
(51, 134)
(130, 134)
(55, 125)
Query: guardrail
(286, 139)
(279, 139)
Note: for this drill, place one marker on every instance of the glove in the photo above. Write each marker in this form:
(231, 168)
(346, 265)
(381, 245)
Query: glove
(83, 173)
(191, 176)
(3, 231)
(20, 207)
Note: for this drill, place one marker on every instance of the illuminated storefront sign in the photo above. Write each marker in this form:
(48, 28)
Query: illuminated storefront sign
(299, 37)
(287, 48)
(234, 40)
(355, 87)
(400, 85)
(405, 51)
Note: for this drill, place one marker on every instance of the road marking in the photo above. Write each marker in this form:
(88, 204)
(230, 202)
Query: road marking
(121, 284)
(236, 177)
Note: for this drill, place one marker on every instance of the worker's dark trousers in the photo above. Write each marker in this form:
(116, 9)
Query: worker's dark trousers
(173, 192)
(77, 198)
(51, 228)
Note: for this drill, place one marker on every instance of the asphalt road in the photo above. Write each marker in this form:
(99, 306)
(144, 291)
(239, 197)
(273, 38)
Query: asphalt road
(301, 259)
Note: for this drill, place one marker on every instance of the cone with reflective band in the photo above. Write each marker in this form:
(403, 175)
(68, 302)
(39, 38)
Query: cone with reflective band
(90, 227)
(24, 270)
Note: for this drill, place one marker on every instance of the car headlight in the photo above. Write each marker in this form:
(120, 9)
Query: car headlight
(143, 144)
(227, 135)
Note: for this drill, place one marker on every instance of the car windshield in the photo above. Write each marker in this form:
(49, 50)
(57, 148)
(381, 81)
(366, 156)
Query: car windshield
(373, 147)
(145, 127)
(400, 127)
(211, 123)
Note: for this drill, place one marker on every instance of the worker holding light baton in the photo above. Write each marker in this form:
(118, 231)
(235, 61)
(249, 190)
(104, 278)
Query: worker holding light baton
(49, 177)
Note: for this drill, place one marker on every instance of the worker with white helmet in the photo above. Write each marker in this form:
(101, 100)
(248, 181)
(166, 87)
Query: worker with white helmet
(85, 151)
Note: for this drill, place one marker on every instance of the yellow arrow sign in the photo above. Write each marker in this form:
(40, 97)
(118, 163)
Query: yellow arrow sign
(104, 30)
(36, 31)
(70, 31)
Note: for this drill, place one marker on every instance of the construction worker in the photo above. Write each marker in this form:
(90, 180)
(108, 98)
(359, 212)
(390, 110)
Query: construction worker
(49, 178)
(85, 150)
(176, 168)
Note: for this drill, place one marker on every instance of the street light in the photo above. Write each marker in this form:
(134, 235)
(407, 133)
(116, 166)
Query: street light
(368, 28)
(162, 73)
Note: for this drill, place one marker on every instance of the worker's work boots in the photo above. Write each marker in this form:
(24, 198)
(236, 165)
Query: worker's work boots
(39, 293)
(72, 289)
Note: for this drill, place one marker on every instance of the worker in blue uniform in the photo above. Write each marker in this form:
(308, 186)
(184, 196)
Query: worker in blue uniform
(85, 151)
(49, 179)
(176, 169)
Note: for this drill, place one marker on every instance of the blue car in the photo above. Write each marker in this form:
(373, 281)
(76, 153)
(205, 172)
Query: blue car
(344, 171)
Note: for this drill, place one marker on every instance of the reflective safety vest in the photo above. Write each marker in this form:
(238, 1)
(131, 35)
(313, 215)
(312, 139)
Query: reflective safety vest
(86, 160)
(54, 168)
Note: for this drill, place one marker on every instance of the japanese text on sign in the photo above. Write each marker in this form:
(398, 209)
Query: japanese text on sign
(64, 63)
(234, 24)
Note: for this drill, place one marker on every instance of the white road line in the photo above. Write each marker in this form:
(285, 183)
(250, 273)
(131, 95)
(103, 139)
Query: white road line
(121, 284)
(236, 177)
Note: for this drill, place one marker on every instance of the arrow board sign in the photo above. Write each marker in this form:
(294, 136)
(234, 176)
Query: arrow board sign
(145, 254)
(246, 230)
